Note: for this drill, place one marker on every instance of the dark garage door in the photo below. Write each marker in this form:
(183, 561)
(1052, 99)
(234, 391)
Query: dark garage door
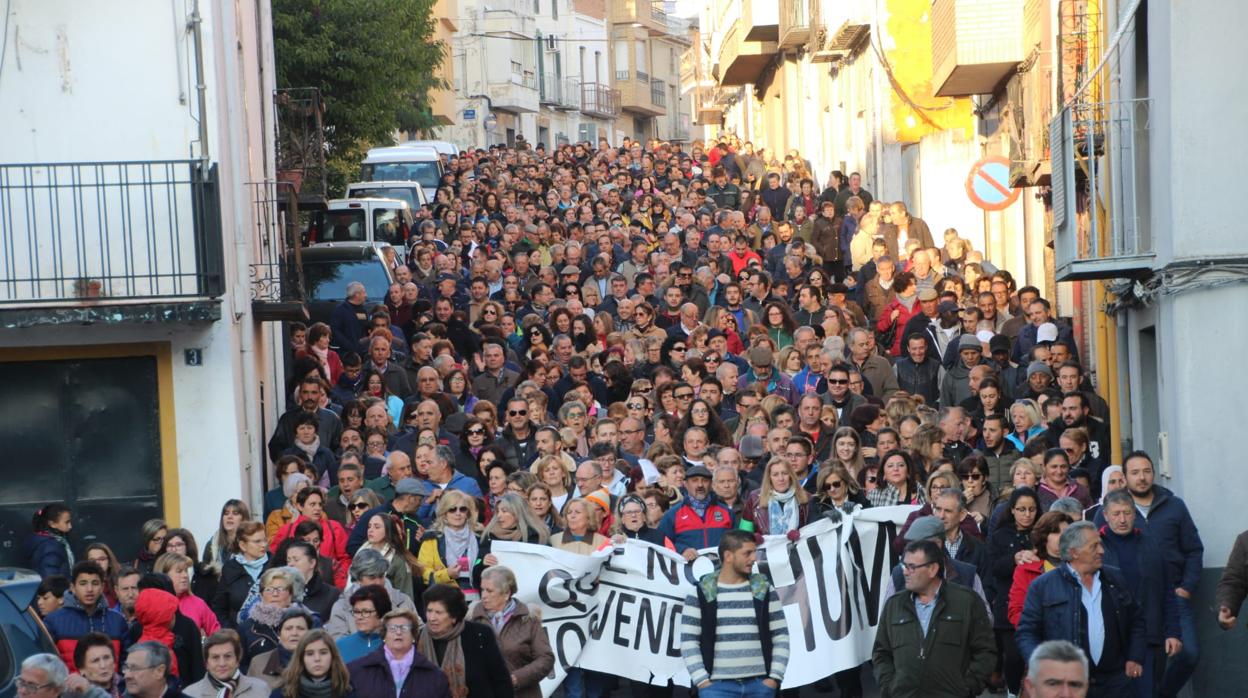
(86, 432)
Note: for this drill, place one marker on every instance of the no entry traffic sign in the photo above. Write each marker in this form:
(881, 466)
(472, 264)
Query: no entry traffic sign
(988, 185)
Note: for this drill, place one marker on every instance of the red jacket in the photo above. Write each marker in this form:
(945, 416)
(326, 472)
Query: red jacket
(1024, 575)
(333, 545)
(740, 262)
(903, 317)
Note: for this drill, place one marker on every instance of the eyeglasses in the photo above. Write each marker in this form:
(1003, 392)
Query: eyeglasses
(517, 413)
(476, 432)
(974, 476)
(457, 510)
(399, 629)
(678, 348)
(837, 381)
(359, 506)
(363, 612)
(24, 686)
(275, 590)
(907, 567)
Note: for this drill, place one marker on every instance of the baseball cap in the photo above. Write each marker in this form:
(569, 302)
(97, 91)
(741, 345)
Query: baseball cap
(1046, 333)
(698, 471)
(999, 342)
(446, 277)
(925, 527)
(945, 306)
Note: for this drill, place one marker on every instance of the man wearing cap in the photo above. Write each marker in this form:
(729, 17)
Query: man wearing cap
(1038, 314)
(1009, 373)
(752, 451)
(1039, 378)
(931, 528)
(762, 371)
(699, 521)
(838, 297)
(955, 386)
(409, 494)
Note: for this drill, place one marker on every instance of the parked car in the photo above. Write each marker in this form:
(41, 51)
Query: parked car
(419, 163)
(408, 191)
(329, 267)
(22, 633)
(387, 221)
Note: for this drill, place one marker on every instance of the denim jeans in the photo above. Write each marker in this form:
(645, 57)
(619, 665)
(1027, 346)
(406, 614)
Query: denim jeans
(1182, 665)
(580, 683)
(745, 688)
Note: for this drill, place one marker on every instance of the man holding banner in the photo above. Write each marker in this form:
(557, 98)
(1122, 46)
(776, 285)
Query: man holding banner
(734, 638)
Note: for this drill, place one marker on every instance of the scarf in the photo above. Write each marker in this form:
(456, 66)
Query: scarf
(155, 611)
(510, 534)
(322, 355)
(908, 302)
(225, 688)
(461, 543)
(400, 667)
(498, 620)
(310, 449)
(782, 513)
(452, 658)
(699, 506)
(252, 567)
(315, 688)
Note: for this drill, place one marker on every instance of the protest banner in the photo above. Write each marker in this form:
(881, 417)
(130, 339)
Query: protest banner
(618, 611)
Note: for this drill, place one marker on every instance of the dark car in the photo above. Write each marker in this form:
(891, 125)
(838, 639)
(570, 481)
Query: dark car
(21, 632)
(328, 268)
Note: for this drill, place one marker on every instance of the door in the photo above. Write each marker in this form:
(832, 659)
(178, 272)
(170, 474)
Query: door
(85, 432)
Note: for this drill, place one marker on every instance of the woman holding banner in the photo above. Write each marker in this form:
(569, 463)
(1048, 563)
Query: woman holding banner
(630, 522)
(580, 535)
(780, 506)
(835, 488)
(523, 641)
(513, 521)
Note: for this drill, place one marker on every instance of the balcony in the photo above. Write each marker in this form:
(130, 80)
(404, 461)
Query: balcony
(599, 100)
(741, 60)
(636, 93)
(560, 93)
(645, 13)
(795, 23)
(128, 241)
(976, 44)
(519, 94)
(301, 142)
(762, 18)
(277, 288)
(658, 94)
(1100, 165)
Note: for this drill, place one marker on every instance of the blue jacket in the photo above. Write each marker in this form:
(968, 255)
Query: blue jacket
(1171, 527)
(346, 322)
(1146, 575)
(459, 481)
(358, 644)
(71, 621)
(48, 554)
(1054, 611)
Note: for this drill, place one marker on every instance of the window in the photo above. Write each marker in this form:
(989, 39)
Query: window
(327, 280)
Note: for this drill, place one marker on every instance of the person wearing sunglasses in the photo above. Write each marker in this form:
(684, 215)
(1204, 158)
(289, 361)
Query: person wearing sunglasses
(519, 436)
(451, 546)
(836, 488)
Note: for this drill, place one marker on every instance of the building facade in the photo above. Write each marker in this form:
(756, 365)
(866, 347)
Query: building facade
(137, 223)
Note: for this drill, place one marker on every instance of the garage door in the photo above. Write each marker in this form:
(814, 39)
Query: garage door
(86, 432)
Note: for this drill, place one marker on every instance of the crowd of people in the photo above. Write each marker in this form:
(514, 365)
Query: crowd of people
(695, 348)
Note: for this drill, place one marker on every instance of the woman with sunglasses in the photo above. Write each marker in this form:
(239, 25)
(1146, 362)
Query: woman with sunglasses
(450, 546)
(836, 488)
(672, 352)
(973, 471)
(536, 338)
(473, 438)
(363, 500)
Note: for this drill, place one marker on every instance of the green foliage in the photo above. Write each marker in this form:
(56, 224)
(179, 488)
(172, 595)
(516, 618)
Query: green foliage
(375, 62)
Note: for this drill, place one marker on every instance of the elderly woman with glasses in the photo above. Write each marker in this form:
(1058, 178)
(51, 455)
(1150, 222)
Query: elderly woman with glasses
(268, 665)
(630, 522)
(280, 588)
(450, 547)
(521, 638)
(397, 668)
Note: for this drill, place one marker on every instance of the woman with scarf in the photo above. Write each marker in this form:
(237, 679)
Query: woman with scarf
(899, 311)
(310, 502)
(1112, 478)
(374, 386)
(466, 651)
(523, 642)
(383, 536)
(154, 611)
(396, 668)
(241, 572)
(450, 547)
(513, 521)
(1009, 546)
(269, 666)
(222, 652)
(836, 488)
(780, 506)
(47, 549)
(1057, 483)
(308, 447)
(317, 348)
(316, 670)
(281, 589)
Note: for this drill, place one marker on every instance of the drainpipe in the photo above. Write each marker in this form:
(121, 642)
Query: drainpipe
(201, 88)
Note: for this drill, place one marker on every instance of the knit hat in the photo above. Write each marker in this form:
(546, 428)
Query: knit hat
(602, 498)
(1039, 367)
(969, 341)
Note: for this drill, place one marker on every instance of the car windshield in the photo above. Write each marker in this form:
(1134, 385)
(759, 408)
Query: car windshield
(346, 225)
(327, 280)
(407, 194)
(424, 172)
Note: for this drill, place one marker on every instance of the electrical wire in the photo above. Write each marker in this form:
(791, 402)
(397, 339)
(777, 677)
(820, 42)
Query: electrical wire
(899, 90)
(1174, 280)
(4, 38)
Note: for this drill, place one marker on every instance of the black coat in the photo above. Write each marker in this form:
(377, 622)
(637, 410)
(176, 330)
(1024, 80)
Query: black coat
(188, 647)
(320, 596)
(231, 592)
(1003, 545)
(485, 670)
(371, 678)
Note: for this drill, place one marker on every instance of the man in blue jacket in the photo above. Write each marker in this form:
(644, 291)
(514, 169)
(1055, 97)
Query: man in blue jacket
(1135, 553)
(85, 611)
(1166, 520)
(1091, 606)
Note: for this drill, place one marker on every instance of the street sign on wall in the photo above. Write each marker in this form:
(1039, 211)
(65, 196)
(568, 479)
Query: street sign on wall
(988, 184)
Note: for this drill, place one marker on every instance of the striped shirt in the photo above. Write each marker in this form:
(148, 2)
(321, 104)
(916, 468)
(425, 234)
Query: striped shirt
(738, 649)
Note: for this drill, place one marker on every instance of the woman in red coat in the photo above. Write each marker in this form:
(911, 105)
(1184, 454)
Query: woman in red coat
(898, 312)
(310, 503)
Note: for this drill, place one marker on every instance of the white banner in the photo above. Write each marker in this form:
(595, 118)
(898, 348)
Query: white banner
(618, 611)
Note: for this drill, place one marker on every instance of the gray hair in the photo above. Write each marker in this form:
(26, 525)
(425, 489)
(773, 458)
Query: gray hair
(49, 664)
(726, 468)
(1073, 537)
(157, 654)
(1118, 497)
(444, 454)
(954, 493)
(1059, 651)
(502, 576)
(856, 332)
(289, 575)
(368, 563)
(355, 287)
(1070, 506)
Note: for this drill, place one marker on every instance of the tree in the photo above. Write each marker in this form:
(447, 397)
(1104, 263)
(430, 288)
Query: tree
(374, 61)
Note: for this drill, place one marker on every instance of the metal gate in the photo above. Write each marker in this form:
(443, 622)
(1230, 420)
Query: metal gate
(85, 432)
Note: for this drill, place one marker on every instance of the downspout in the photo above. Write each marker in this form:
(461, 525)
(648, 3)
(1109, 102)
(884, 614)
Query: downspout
(1107, 355)
(201, 88)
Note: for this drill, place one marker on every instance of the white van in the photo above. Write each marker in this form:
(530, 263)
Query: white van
(411, 192)
(443, 147)
(418, 163)
(387, 221)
